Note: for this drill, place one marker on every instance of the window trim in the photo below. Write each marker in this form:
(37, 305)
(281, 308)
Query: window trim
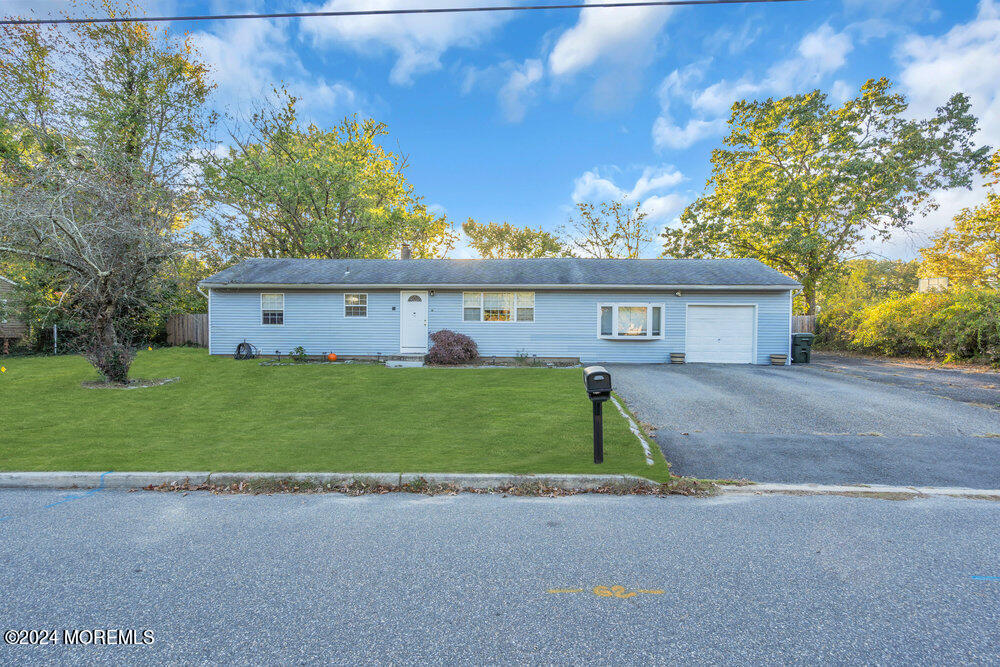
(648, 305)
(356, 317)
(262, 295)
(482, 309)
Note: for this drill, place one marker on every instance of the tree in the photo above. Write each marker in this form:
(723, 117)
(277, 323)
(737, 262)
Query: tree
(496, 241)
(610, 229)
(98, 124)
(968, 254)
(289, 191)
(107, 235)
(865, 281)
(800, 184)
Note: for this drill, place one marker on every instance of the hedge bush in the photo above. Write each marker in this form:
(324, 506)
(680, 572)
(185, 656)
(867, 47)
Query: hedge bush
(953, 325)
(451, 348)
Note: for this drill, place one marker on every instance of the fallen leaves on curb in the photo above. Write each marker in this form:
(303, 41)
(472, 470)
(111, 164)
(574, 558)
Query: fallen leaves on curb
(677, 486)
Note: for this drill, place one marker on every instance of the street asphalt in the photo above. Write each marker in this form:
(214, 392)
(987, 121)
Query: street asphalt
(465, 579)
(835, 421)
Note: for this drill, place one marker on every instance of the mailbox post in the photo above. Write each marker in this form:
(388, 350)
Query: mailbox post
(597, 381)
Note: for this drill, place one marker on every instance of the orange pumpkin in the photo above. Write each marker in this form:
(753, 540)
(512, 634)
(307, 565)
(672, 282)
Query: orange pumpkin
(331, 356)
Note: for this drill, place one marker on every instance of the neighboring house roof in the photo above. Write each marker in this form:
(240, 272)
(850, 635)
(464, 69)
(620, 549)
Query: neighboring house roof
(549, 272)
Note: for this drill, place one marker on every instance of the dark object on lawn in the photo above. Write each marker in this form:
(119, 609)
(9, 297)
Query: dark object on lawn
(451, 348)
(802, 348)
(245, 351)
(597, 381)
(677, 357)
(779, 359)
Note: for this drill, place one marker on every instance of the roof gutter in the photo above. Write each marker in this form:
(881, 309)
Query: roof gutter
(480, 286)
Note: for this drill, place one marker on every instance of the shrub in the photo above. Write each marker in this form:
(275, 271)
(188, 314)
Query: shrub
(451, 348)
(961, 325)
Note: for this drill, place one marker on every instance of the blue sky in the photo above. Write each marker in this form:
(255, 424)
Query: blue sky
(516, 116)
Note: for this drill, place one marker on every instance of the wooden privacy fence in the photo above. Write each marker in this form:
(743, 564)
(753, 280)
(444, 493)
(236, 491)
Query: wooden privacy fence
(187, 328)
(803, 324)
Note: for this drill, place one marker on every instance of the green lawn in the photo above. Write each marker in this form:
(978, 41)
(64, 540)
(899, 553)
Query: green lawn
(226, 415)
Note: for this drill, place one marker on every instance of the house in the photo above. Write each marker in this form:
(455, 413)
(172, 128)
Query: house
(609, 310)
(938, 284)
(11, 329)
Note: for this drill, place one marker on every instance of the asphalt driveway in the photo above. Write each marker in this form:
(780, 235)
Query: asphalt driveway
(838, 420)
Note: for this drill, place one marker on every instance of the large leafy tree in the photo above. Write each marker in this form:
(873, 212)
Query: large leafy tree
(287, 190)
(614, 229)
(499, 241)
(801, 183)
(98, 124)
(969, 252)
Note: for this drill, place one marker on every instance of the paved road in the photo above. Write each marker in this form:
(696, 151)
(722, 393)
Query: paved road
(400, 578)
(827, 422)
(977, 388)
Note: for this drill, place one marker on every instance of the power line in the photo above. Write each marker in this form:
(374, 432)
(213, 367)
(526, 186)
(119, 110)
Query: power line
(384, 12)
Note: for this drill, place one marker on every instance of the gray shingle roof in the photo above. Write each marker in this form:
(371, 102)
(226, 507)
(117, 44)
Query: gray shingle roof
(505, 272)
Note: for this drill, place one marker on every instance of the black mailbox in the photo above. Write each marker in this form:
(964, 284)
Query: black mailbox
(597, 381)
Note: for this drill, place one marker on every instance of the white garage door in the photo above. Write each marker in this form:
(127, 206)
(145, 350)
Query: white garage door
(720, 334)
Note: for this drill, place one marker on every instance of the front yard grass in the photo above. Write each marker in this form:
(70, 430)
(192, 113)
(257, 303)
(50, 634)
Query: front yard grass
(238, 416)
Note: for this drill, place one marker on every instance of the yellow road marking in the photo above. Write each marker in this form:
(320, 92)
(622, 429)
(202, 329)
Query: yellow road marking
(609, 591)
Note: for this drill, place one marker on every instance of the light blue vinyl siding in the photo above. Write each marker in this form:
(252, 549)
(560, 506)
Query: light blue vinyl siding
(313, 319)
(566, 324)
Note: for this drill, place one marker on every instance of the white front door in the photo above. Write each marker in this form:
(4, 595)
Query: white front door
(412, 322)
(720, 334)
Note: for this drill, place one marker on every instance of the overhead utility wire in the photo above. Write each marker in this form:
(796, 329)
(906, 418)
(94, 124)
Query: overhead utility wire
(384, 12)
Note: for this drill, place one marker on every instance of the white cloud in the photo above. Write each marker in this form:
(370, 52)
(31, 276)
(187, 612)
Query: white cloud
(667, 134)
(249, 58)
(651, 188)
(619, 43)
(244, 56)
(819, 53)
(965, 59)
(418, 41)
(732, 40)
(606, 33)
(517, 91)
(906, 244)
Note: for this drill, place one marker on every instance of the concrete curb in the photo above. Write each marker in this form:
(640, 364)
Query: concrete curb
(860, 489)
(138, 480)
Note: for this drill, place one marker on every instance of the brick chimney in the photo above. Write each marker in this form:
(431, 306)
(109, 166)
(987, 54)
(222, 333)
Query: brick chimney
(404, 251)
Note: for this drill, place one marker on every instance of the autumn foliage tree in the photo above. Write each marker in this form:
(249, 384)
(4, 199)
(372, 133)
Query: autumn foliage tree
(505, 241)
(283, 189)
(968, 253)
(800, 183)
(97, 127)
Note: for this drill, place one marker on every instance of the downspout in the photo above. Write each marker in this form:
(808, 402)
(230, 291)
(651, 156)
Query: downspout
(791, 314)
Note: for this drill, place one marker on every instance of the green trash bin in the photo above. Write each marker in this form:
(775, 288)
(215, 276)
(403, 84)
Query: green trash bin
(802, 348)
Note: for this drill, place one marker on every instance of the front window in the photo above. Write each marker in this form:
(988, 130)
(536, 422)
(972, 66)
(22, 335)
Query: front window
(272, 308)
(498, 306)
(635, 321)
(355, 305)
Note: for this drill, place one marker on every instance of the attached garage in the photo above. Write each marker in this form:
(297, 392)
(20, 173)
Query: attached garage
(721, 334)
